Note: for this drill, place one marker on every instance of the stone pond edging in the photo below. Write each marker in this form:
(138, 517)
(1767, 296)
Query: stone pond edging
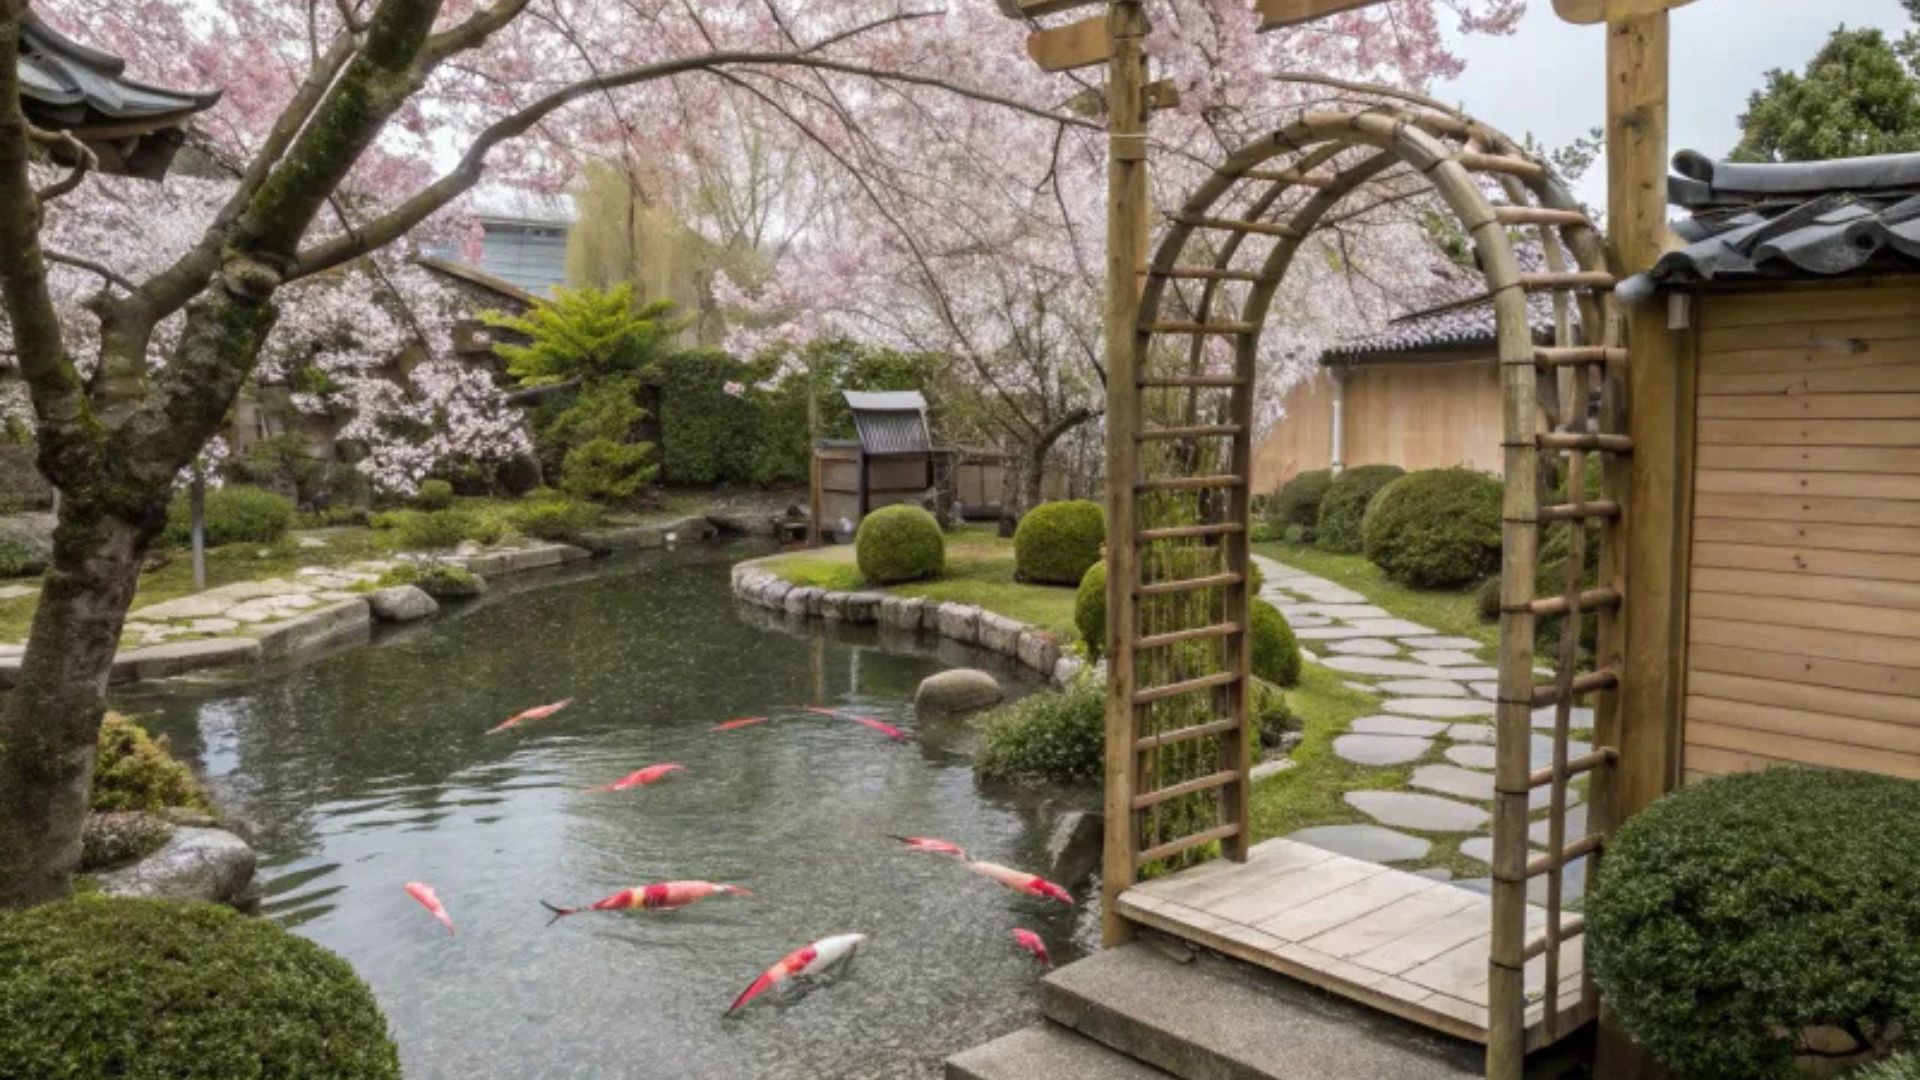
(1038, 650)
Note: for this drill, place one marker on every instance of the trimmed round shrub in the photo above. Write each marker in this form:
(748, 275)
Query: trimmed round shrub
(1048, 737)
(1057, 541)
(1298, 500)
(161, 990)
(556, 520)
(1345, 506)
(236, 514)
(1435, 529)
(23, 553)
(1276, 656)
(434, 495)
(1090, 609)
(1736, 913)
(899, 543)
(134, 771)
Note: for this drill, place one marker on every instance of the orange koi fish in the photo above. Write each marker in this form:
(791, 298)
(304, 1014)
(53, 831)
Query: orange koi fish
(424, 893)
(735, 725)
(539, 712)
(929, 844)
(640, 777)
(888, 730)
(814, 959)
(1031, 942)
(1021, 882)
(659, 896)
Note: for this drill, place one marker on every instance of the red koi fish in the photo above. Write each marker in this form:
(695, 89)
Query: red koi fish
(1031, 942)
(424, 893)
(929, 844)
(814, 959)
(888, 730)
(539, 712)
(659, 896)
(1022, 882)
(639, 777)
(735, 725)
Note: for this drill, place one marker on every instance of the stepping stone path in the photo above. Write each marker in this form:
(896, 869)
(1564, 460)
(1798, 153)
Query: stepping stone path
(1437, 715)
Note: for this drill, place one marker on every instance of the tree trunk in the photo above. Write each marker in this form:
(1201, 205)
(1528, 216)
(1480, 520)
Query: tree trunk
(49, 728)
(1021, 492)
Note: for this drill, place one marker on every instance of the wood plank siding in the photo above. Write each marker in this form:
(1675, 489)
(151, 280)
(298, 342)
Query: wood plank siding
(1804, 575)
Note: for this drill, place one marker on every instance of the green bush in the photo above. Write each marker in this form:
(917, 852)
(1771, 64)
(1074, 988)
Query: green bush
(1903, 1066)
(1272, 717)
(899, 543)
(1276, 656)
(1056, 542)
(1048, 737)
(1090, 609)
(431, 530)
(438, 580)
(161, 990)
(1736, 913)
(1298, 501)
(602, 470)
(1299, 534)
(1435, 529)
(115, 839)
(557, 520)
(1345, 507)
(434, 495)
(236, 514)
(23, 553)
(134, 771)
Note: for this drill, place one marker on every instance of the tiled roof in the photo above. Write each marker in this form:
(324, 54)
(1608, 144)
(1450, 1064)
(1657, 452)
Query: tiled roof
(1437, 334)
(67, 86)
(892, 422)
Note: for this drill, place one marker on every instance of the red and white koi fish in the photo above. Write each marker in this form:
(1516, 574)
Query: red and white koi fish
(1031, 942)
(640, 777)
(735, 725)
(888, 730)
(538, 712)
(1022, 882)
(929, 844)
(659, 896)
(814, 959)
(424, 893)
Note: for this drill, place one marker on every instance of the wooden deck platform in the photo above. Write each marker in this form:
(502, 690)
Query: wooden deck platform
(1391, 940)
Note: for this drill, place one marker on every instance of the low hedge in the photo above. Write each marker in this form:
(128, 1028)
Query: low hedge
(899, 543)
(1736, 913)
(235, 514)
(1345, 507)
(432, 530)
(1435, 529)
(1048, 737)
(1056, 542)
(1298, 500)
(135, 771)
(1276, 655)
(161, 990)
(555, 520)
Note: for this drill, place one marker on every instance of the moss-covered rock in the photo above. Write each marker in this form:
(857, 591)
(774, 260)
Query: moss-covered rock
(134, 771)
(899, 543)
(1057, 541)
(438, 580)
(1345, 505)
(1435, 529)
(115, 839)
(159, 990)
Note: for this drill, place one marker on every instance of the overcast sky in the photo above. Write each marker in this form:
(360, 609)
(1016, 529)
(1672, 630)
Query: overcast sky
(1548, 78)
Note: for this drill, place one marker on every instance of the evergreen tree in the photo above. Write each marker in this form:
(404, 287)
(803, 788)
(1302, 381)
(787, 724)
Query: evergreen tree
(1858, 96)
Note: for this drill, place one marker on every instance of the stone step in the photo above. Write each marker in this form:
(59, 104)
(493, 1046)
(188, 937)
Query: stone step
(1217, 1019)
(1046, 1052)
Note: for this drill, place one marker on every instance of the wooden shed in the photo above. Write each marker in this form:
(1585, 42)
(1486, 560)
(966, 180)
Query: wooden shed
(1796, 535)
(892, 461)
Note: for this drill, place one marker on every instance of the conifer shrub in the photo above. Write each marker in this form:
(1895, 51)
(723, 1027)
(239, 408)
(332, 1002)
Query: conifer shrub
(1435, 529)
(162, 990)
(1345, 505)
(1056, 542)
(899, 543)
(136, 771)
(1736, 913)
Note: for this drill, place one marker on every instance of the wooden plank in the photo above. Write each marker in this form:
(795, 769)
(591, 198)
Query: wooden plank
(1300, 887)
(1808, 509)
(1714, 761)
(1850, 432)
(1880, 539)
(1862, 591)
(1588, 12)
(1809, 670)
(1810, 407)
(1804, 751)
(1405, 953)
(1821, 485)
(1078, 44)
(1903, 378)
(1809, 614)
(1848, 335)
(1775, 302)
(1343, 906)
(1835, 357)
(1798, 641)
(1459, 973)
(1797, 723)
(1801, 697)
(1818, 562)
(1891, 460)
(1412, 914)
(1277, 14)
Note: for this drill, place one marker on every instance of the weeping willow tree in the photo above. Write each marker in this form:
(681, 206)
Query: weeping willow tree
(627, 237)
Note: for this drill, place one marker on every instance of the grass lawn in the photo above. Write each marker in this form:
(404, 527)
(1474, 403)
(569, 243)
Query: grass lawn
(979, 571)
(1449, 613)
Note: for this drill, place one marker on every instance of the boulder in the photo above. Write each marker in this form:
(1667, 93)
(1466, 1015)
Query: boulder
(955, 693)
(1039, 651)
(999, 633)
(901, 612)
(1067, 669)
(401, 603)
(210, 865)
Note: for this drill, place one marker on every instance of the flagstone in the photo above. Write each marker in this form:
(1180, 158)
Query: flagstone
(1486, 689)
(1391, 627)
(1423, 688)
(1471, 733)
(1576, 826)
(1381, 749)
(1397, 725)
(1349, 612)
(1371, 843)
(1328, 633)
(1440, 708)
(1369, 665)
(1581, 718)
(1466, 643)
(1454, 780)
(1411, 810)
(1365, 646)
(1446, 658)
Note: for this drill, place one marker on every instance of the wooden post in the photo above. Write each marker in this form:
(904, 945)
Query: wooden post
(813, 497)
(1642, 719)
(197, 505)
(1126, 254)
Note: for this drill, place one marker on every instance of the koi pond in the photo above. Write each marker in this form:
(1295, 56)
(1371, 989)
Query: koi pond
(368, 768)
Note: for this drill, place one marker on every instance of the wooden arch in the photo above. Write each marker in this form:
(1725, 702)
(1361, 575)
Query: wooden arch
(1181, 417)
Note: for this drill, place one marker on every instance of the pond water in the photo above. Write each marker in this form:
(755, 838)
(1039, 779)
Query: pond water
(369, 768)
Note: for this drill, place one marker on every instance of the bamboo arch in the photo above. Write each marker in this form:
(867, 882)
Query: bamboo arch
(1180, 462)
